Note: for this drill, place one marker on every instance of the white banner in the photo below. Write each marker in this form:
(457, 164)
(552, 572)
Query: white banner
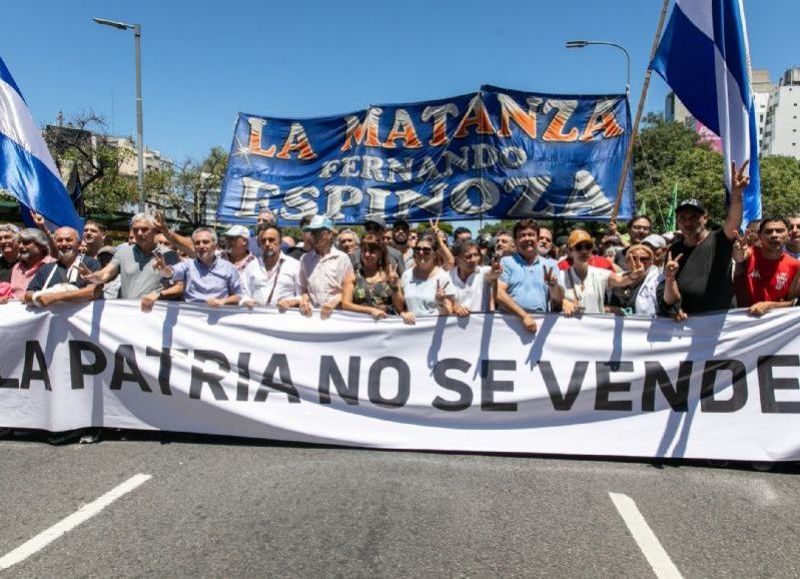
(719, 386)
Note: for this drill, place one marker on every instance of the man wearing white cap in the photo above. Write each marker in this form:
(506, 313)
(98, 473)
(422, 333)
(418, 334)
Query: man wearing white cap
(322, 270)
(237, 238)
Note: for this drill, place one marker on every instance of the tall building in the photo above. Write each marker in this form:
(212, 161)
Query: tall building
(782, 126)
(675, 111)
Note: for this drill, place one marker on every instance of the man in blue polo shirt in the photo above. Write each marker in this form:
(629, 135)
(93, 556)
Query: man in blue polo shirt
(206, 279)
(528, 283)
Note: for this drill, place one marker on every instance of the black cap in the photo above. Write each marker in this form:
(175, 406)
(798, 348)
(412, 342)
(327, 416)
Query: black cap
(401, 224)
(379, 221)
(693, 204)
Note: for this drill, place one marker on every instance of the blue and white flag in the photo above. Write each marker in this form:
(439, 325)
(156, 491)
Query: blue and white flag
(27, 169)
(704, 56)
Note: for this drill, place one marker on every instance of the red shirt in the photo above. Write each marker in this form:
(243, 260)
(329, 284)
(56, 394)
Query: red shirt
(765, 280)
(595, 260)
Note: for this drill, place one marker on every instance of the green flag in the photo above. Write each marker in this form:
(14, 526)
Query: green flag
(673, 204)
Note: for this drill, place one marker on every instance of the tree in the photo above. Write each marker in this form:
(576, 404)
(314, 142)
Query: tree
(192, 188)
(780, 186)
(83, 143)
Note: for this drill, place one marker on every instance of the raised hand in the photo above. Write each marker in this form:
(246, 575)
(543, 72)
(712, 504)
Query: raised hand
(672, 266)
(637, 270)
(495, 272)
(440, 295)
(740, 248)
(38, 220)
(741, 178)
(392, 278)
(161, 221)
(549, 276)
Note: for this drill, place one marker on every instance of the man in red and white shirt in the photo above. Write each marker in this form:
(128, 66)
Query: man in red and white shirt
(764, 275)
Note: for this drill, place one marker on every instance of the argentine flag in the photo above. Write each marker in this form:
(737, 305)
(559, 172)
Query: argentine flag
(704, 56)
(27, 170)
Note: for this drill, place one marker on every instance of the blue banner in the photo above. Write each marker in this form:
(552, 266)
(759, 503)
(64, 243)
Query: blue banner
(497, 153)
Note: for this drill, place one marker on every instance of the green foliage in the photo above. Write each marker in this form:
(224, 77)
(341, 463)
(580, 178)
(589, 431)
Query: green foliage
(780, 186)
(670, 153)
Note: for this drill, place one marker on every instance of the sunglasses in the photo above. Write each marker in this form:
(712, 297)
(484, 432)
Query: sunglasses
(423, 250)
(583, 247)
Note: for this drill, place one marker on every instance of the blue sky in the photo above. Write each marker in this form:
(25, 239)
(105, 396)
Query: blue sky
(204, 62)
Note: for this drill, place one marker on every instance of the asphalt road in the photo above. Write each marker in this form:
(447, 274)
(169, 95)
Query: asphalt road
(231, 508)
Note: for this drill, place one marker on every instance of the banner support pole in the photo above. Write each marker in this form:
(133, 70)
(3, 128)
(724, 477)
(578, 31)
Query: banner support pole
(639, 110)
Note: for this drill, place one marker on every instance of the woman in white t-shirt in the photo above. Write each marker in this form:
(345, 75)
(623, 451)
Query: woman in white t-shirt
(426, 287)
(471, 282)
(585, 285)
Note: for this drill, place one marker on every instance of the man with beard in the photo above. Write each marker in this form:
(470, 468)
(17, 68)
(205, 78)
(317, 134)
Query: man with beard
(33, 254)
(273, 279)
(700, 262)
(764, 273)
(206, 279)
(639, 227)
(94, 237)
(134, 263)
(528, 283)
(9, 250)
(546, 242)
(401, 241)
(60, 281)
(793, 240)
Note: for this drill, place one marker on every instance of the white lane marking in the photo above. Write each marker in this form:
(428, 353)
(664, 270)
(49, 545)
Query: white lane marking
(83, 514)
(643, 535)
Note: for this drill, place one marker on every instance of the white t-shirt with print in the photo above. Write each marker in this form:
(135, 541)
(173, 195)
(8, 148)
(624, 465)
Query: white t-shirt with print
(420, 295)
(590, 292)
(472, 293)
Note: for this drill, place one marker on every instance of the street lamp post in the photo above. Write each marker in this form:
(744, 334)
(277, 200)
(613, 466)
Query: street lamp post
(584, 43)
(137, 36)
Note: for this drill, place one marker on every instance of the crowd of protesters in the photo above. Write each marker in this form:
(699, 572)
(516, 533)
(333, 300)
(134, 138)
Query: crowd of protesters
(400, 271)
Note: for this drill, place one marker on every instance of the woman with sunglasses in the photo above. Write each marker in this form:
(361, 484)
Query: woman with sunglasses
(585, 285)
(374, 286)
(639, 297)
(426, 286)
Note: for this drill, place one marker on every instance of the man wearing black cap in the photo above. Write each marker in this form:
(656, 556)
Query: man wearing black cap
(377, 226)
(700, 261)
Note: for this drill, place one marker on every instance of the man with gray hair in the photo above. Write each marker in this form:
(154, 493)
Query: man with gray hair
(206, 279)
(134, 263)
(33, 254)
(59, 281)
(9, 250)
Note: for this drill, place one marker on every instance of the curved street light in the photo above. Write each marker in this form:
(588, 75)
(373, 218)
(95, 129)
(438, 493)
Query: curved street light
(585, 43)
(137, 34)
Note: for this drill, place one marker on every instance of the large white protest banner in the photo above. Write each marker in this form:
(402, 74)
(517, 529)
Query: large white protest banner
(717, 386)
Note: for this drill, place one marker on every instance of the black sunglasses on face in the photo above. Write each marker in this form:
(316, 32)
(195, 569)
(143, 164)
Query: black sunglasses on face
(423, 250)
(583, 247)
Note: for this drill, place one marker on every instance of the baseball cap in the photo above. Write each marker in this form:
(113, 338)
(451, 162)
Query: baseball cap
(319, 222)
(692, 204)
(655, 241)
(401, 224)
(578, 236)
(379, 221)
(237, 231)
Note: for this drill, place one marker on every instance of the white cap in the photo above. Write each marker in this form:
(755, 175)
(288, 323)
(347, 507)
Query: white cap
(237, 231)
(655, 241)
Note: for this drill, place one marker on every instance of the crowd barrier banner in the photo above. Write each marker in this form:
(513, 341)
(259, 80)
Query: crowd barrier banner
(715, 387)
(496, 153)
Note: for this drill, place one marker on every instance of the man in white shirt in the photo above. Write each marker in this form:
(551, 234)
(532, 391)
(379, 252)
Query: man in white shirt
(273, 279)
(322, 270)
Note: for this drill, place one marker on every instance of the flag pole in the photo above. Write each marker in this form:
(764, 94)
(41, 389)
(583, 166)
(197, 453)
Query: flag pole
(639, 111)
